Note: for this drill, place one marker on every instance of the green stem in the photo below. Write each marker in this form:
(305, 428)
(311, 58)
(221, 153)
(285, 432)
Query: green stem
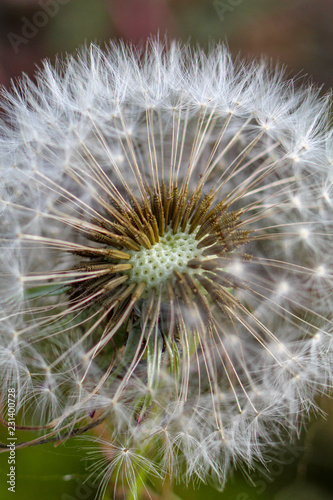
(139, 486)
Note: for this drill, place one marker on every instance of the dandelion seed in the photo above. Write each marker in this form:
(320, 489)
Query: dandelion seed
(165, 259)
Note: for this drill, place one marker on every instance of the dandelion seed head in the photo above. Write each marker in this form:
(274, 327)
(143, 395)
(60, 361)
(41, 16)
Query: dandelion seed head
(156, 266)
(164, 265)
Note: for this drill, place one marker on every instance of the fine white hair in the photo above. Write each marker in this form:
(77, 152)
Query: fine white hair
(105, 133)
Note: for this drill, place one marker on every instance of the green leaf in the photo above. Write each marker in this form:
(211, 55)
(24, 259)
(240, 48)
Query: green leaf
(48, 290)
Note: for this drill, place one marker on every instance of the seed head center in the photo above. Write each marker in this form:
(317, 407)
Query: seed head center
(155, 266)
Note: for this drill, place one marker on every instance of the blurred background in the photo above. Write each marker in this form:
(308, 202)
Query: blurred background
(297, 33)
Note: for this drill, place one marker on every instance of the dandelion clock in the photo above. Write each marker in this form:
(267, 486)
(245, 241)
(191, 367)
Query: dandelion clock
(166, 260)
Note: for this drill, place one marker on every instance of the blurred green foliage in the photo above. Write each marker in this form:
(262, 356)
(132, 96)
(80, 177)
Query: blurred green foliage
(302, 471)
